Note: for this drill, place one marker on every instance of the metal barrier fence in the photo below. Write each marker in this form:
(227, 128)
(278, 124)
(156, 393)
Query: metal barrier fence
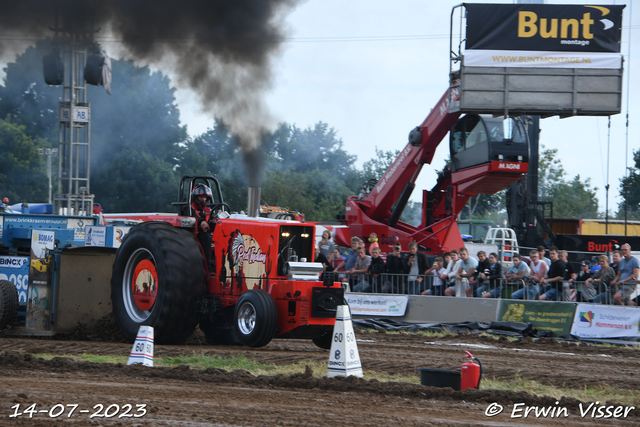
(575, 258)
(406, 284)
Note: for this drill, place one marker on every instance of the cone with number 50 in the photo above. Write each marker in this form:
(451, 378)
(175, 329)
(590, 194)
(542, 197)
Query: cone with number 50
(344, 359)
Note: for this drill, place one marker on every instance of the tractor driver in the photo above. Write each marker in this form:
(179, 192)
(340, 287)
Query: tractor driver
(201, 197)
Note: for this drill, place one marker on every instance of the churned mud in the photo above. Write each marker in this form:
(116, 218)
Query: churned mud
(191, 397)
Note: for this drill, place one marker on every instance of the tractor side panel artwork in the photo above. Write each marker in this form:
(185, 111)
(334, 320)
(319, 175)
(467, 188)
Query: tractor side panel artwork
(241, 256)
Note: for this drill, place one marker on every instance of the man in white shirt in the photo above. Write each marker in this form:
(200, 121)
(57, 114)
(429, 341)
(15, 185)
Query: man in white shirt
(467, 267)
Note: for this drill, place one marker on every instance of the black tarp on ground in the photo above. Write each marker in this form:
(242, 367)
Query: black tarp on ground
(513, 329)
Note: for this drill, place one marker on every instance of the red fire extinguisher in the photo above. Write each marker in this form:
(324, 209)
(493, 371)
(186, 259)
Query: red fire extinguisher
(471, 373)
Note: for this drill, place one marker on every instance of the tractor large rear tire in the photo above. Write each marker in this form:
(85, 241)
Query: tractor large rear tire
(158, 278)
(256, 318)
(8, 303)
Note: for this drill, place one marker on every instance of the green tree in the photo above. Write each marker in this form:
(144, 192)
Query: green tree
(216, 152)
(550, 172)
(571, 199)
(574, 199)
(26, 98)
(141, 119)
(139, 182)
(483, 206)
(308, 170)
(141, 113)
(376, 167)
(630, 190)
(23, 176)
(316, 147)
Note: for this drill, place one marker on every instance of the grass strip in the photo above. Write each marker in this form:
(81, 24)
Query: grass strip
(200, 361)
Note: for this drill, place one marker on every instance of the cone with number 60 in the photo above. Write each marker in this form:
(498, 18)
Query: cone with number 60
(344, 359)
(142, 351)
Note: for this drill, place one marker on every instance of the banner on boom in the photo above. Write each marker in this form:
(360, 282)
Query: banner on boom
(543, 35)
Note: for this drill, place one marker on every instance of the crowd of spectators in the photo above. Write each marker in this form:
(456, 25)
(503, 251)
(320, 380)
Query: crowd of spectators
(458, 273)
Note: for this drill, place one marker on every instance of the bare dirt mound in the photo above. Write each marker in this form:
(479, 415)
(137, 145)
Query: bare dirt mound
(184, 396)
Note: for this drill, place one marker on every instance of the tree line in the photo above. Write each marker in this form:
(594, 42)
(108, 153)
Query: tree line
(139, 150)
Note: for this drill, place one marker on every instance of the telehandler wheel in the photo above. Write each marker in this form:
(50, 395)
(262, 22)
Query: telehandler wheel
(8, 303)
(158, 278)
(256, 318)
(324, 340)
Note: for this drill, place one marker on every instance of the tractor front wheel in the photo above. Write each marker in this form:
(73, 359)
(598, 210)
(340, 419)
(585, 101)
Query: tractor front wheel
(255, 318)
(158, 278)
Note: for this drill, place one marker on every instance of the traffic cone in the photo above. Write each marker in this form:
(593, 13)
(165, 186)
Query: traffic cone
(142, 351)
(344, 359)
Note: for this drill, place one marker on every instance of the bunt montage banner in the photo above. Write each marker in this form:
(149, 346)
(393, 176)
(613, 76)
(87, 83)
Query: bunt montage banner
(543, 35)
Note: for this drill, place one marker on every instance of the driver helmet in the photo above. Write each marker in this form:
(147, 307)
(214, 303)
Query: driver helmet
(202, 190)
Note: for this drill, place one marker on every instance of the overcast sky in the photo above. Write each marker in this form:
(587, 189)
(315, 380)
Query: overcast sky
(373, 69)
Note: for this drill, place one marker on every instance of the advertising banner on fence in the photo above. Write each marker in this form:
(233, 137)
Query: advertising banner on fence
(15, 269)
(377, 305)
(39, 294)
(544, 316)
(605, 321)
(543, 35)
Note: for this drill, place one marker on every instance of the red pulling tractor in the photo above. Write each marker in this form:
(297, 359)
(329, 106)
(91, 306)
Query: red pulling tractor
(258, 285)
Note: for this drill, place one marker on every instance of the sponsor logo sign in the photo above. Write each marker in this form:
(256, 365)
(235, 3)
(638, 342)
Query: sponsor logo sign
(594, 243)
(15, 269)
(78, 227)
(509, 166)
(542, 35)
(39, 293)
(378, 305)
(95, 235)
(544, 316)
(605, 321)
(13, 261)
(118, 235)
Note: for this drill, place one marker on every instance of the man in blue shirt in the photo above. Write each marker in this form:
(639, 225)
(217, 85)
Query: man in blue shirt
(626, 278)
(350, 261)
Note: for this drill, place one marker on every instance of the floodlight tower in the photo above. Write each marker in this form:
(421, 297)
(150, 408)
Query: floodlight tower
(66, 67)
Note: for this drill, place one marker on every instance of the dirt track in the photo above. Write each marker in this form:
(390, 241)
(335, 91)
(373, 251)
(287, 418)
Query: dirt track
(180, 396)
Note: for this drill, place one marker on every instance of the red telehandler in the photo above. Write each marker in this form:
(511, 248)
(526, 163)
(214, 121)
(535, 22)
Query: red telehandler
(487, 154)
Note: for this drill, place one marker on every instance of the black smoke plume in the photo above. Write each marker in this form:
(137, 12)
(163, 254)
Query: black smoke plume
(221, 49)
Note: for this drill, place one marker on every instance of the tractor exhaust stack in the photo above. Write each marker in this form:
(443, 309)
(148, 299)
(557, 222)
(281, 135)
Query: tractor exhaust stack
(254, 202)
